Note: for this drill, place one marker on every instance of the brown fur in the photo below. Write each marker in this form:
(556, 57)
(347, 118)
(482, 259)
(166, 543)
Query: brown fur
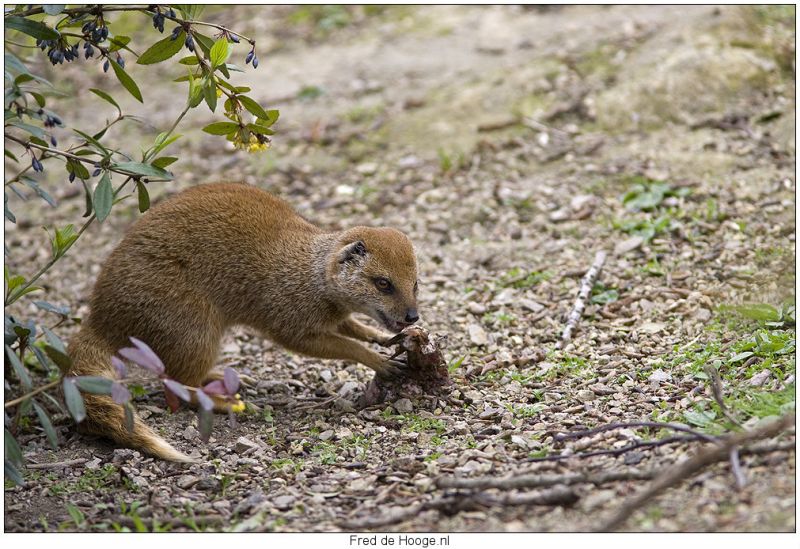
(226, 254)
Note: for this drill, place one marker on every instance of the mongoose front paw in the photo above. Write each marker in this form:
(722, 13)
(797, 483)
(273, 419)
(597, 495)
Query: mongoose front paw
(392, 368)
(393, 340)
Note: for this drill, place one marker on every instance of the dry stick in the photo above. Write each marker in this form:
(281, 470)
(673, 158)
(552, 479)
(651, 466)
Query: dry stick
(539, 480)
(646, 444)
(57, 464)
(693, 465)
(717, 391)
(635, 424)
(451, 504)
(580, 303)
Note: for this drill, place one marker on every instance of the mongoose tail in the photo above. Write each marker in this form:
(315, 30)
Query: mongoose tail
(91, 356)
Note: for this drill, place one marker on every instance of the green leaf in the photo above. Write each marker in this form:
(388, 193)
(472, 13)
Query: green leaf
(53, 340)
(12, 451)
(33, 130)
(74, 400)
(53, 9)
(12, 62)
(700, 418)
(92, 141)
(34, 185)
(252, 106)
(47, 425)
(759, 311)
(40, 100)
(164, 161)
(260, 129)
(12, 473)
(21, 371)
(162, 50)
(103, 95)
(80, 171)
(31, 28)
(118, 43)
(126, 81)
(204, 42)
(221, 128)
(210, 94)
(103, 197)
(11, 156)
(144, 197)
(189, 60)
(138, 168)
(60, 358)
(94, 384)
(63, 239)
(219, 52)
(162, 143)
(741, 356)
(272, 117)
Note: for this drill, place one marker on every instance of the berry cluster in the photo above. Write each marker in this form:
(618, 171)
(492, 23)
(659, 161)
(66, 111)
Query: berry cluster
(159, 17)
(58, 51)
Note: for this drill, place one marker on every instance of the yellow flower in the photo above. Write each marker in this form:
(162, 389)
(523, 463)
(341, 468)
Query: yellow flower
(238, 406)
(219, 92)
(254, 144)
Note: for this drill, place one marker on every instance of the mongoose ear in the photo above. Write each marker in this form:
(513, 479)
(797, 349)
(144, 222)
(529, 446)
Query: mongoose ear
(352, 251)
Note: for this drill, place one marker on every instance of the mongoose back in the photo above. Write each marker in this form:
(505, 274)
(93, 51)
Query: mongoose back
(229, 254)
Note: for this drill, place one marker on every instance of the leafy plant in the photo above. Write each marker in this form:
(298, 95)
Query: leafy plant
(87, 34)
(646, 195)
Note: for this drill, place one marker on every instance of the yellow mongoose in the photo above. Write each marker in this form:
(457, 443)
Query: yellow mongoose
(230, 254)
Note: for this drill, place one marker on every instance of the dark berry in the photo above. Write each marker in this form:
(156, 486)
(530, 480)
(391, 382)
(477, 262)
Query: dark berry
(72, 177)
(234, 38)
(189, 43)
(36, 165)
(175, 32)
(249, 57)
(97, 172)
(120, 61)
(255, 62)
(105, 66)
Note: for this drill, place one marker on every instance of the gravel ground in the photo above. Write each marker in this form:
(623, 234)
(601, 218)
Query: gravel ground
(510, 156)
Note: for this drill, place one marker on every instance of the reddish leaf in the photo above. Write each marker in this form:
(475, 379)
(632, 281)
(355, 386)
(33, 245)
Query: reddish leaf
(143, 355)
(231, 381)
(119, 393)
(172, 400)
(179, 390)
(204, 401)
(215, 388)
(119, 366)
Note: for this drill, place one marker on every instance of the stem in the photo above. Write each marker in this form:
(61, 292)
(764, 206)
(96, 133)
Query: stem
(33, 393)
(144, 9)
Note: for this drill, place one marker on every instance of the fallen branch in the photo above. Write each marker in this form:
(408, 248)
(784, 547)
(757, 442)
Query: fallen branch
(693, 465)
(646, 444)
(635, 425)
(455, 503)
(517, 481)
(57, 464)
(587, 282)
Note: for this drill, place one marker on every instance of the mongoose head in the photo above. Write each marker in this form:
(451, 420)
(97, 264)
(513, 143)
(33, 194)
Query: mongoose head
(374, 270)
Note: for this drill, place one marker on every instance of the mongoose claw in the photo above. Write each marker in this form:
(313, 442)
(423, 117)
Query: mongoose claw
(394, 340)
(393, 368)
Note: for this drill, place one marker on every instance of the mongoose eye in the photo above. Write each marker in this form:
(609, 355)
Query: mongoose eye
(384, 285)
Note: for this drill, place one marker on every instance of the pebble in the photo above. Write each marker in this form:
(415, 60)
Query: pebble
(476, 308)
(477, 335)
(628, 245)
(243, 444)
(185, 482)
(284, 502)
(403, 406)
(585, 395)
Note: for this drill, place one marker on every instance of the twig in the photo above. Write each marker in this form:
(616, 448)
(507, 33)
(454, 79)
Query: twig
(647, 444)
(517, 481)
(736, 468)
(57, 464)
(688, 468)
(634, 424)
(35, 392)
(454, 503)
(580, 303)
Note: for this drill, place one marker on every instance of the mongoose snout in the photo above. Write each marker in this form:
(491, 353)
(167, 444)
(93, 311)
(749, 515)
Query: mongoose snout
(229, 254)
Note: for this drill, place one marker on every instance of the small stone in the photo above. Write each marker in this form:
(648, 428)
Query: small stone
(531, 305)
(345, 190)
(703, 315)
(652, 327)
(185, 482)
(476, 308)
(347, 388)
(758, 379)
(121, 455)
(477, 335)
(94, 464)
(243, 444)
(190, 433)
(403, 406)
(326, 375)
(367, 168)
(283, 502)
(208, 484)
(519, 441)
(586, 395)
(659, 376)
(628, 245)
